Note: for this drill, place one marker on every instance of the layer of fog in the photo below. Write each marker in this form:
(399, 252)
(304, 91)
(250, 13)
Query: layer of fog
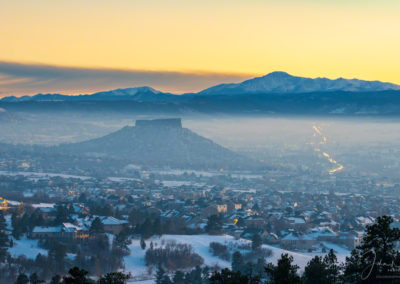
(363, 145)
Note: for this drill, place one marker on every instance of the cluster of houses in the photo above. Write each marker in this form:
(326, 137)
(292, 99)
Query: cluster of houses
(295, 220)
(79, 229)
(291, 220)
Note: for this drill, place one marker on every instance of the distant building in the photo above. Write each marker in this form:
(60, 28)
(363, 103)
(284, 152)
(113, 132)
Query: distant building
(297, 241)
(3, 204)
(255, 222)
(113, 225)
(65, 231)
(40, 232)
(351, 239)
(222, 208)
(214, 209)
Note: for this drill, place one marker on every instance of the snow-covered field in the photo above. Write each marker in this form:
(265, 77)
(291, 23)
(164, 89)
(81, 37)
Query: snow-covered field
(204, 173)
(301, 258)
(26, 247)
(176, 183)
(135, 264)
(36, 175)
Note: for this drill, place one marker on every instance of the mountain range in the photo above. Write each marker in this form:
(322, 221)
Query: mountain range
(283, 83)
(277, 92)
(145, 94)
(273, 83)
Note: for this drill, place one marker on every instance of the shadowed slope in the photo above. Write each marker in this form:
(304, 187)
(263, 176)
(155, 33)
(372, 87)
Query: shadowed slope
(160, 143)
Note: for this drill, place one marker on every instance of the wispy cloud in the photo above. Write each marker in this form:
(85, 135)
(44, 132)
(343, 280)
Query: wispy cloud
(27, 79)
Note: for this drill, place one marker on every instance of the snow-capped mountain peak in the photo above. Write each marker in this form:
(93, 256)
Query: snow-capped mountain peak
(282, 82)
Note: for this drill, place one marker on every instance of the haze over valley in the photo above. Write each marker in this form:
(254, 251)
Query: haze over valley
(365, 143)
(199, 142)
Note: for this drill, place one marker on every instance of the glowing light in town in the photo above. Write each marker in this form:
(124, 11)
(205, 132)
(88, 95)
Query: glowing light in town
(324, 140)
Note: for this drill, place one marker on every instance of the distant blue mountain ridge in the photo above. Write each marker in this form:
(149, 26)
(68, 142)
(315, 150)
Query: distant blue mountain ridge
(272, 83)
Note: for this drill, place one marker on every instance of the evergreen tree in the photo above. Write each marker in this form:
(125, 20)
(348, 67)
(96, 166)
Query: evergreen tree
(284, 272)
(97, 226)
(255, 208)
(214, 224)
(146, 229)
(3, 224)
(42, 262)
(56, 279)
(58, 252)
(62, 214)
(259, 267)
(77, 276)
(135, 217)
(194, 276)
(240, 222)
(80, 259)
(160, 273)
(248, 269)
(22, 279)
(4, 241)
(227, 276)
(157, 229)
(256, 242)
(24, 221)
(316, 272)
(205, 273)
(142, 244)
(332, 265)
(114, 278)
(20, 224)
(237, 261)
(15, 225)
(121, 241)
(374, 259)
(178, 277)
(82, 198)
(34, 279)
(166, 280)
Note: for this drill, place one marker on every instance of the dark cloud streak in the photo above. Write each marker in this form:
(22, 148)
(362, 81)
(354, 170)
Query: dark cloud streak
(27, 79)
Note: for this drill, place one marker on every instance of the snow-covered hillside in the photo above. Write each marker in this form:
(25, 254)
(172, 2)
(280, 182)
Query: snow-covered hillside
(282, 83)
(135, 264)
(27, 247)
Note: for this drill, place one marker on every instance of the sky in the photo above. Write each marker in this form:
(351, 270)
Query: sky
(74, 47)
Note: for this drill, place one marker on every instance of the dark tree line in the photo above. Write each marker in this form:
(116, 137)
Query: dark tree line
(220, 250)
(75, 276)
(196, 276)
(5, 242)
(173, 256)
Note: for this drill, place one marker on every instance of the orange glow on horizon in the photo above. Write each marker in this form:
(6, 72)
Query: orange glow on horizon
(351, 39)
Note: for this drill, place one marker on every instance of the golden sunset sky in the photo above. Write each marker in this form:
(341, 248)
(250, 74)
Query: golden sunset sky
(76, 46)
